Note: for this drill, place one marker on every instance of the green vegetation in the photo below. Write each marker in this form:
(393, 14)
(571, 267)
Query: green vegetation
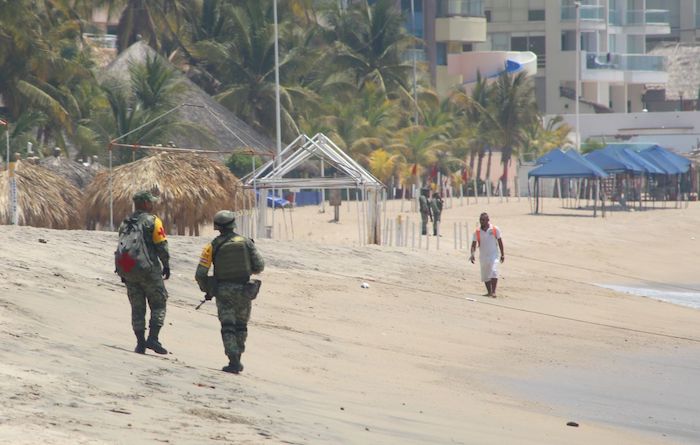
(342, 72)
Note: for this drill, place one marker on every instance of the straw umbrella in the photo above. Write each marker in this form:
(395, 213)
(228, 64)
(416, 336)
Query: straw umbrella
(44, 199)
(73, 171)
(192, 189)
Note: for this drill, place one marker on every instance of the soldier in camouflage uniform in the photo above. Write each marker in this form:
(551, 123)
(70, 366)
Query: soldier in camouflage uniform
(424, 208)
(436, 205)
(149, 291)
(235, 258)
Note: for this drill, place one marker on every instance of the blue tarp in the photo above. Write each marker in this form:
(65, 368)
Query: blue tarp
(670, 162)
(579, 157)
(559, 164)
(627, 155)
(606, 162)
(553, 154)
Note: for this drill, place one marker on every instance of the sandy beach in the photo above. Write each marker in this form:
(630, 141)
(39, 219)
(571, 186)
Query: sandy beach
(419, 357)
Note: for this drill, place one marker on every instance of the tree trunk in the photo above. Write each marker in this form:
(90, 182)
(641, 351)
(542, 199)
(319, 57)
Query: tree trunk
(482, 153)
(504, 179)
(506, 156)
(472, 157)
(488, 165)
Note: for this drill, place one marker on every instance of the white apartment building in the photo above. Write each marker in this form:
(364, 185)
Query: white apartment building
(613, 61)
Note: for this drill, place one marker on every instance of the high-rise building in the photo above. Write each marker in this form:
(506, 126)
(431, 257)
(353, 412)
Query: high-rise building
(446, 27)
(614, 65)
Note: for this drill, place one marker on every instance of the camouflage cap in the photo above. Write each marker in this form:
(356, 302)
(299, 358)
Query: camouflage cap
(144, 195)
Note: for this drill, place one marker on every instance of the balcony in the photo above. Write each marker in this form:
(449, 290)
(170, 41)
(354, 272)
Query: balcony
(588, 12)
(647, 17)
(628, 68)
(460, 8)
(625, 62)
(615, 18)
(460, 21)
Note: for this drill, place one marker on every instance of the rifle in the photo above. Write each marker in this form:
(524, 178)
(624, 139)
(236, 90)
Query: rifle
(207, 297)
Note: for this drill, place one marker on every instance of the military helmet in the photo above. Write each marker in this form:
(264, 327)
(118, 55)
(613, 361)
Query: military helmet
(144, 196)
(224, 219)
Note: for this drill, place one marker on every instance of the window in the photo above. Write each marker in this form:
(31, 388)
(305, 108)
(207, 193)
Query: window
(499, 42)
(487, 14)
(568, 40)
(441, 54)
(467, 47)
(518, 44)
(536, 44)
(535, 15)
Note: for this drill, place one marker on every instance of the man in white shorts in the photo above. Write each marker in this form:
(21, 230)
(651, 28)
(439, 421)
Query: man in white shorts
(488, 238)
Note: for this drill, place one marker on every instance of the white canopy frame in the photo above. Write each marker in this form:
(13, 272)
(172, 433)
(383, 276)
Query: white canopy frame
(271, 175)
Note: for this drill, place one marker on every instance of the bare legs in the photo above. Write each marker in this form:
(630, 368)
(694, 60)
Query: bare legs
(491, 287)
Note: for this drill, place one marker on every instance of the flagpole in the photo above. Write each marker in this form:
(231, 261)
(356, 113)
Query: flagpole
(277, 88)
(277, 105)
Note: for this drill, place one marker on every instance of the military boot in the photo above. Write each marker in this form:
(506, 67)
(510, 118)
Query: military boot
(234, 365)
(153, 343)
(140, 341)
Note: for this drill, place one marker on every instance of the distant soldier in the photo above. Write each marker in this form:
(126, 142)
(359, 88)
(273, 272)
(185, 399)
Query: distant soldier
(142, 249)
(424, 207)
(436, 209)
(235, 259)
(488, 238)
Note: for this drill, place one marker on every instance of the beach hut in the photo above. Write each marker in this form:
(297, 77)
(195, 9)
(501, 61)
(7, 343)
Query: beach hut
(78, 174)
(192, 188)
(223, 130)
(44, 199)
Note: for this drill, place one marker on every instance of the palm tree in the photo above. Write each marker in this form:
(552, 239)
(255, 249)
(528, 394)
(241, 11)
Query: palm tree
(246, 67)
(43, 68)
(539, 139)
(418, 146)
(474, 109)
(369, 41)
(513, 106)
(383, 165)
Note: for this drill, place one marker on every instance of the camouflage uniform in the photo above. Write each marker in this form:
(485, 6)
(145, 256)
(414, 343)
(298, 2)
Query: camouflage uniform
(233, 307)
(424, 208)
(436, 209)
(149, 291)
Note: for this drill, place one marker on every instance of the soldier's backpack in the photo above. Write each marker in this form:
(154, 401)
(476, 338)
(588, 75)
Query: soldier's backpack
(231, 260)
(131, 259)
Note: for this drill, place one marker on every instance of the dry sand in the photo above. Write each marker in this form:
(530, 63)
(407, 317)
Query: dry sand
(418, 358)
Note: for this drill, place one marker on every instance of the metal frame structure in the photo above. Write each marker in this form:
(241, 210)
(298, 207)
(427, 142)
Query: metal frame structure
(271, 174)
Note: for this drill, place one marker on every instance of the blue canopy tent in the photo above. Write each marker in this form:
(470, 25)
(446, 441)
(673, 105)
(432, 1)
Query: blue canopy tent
(559, 164)
(626, 166)
(636, 163)
(648, 166)
(608, 163)
(674, 165)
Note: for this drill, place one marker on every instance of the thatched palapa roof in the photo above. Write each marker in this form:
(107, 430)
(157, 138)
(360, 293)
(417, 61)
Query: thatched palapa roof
(683, 68)
(44, 199)
(73, 171)
(244, 135)
(192, 189)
